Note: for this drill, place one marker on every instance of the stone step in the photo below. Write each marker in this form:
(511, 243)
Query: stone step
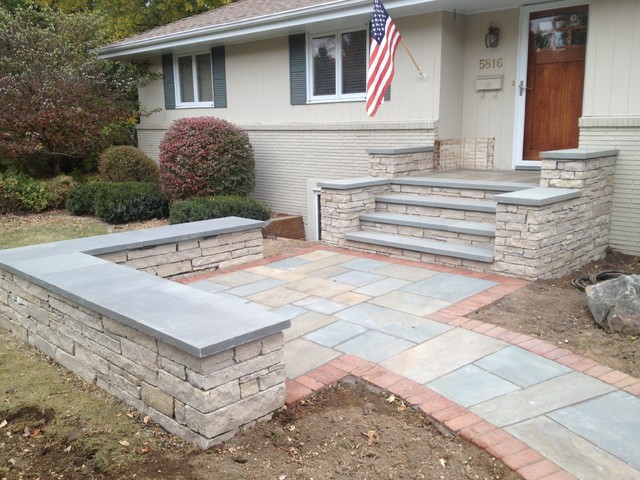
(434, 247)
(452, 187)
(473, 205)
(431, 223)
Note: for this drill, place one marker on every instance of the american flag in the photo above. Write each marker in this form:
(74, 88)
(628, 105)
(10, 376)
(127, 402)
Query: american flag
(384, 43)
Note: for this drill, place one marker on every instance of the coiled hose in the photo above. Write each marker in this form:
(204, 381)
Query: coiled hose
(582, 282)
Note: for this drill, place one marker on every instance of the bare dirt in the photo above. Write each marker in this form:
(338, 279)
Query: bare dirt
(345, 431)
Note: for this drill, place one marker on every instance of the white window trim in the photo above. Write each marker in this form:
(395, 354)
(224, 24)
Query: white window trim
(338, 97)
(194, 68)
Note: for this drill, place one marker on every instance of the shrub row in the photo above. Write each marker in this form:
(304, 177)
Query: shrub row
(204, 208)
(118, 202)
(21, 193)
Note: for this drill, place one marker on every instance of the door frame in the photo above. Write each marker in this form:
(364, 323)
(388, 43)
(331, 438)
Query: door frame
(521, 75)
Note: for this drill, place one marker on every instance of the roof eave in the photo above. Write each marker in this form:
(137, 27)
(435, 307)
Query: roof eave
(242, 28)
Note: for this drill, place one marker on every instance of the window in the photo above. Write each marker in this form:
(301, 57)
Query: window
(338, 65)
(194, 80)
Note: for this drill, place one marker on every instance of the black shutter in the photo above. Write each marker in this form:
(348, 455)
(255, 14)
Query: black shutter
(298, 69)
(387, 94)
(168, 82)
(219, 77)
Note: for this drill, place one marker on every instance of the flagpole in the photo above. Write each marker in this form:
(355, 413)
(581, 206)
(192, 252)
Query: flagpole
(422, 75)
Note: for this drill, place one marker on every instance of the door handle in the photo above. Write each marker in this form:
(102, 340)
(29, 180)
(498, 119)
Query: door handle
(523, 87)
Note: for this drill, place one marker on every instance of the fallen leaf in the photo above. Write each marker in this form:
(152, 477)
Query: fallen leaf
(3, 424)
(130, 415)
(27, 432)
(282, 477)
(144, 449)
(391, 399)
(372, 437)
(402, 407)
(67, 450)
(443, 462)
(124, 443)
(292, 428)
(36, 433)
(12, 461)
(146, 419)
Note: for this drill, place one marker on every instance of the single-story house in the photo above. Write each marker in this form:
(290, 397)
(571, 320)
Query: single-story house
(500, 81)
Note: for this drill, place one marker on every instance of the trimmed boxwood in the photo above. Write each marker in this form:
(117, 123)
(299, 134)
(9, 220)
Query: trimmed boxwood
(125, 163)
(205, 208)
(119, 202)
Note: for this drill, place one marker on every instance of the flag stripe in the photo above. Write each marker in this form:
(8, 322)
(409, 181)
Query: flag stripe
(384, 43)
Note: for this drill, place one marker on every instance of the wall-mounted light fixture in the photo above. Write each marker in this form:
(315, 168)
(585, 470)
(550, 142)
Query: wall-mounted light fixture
(491, 38)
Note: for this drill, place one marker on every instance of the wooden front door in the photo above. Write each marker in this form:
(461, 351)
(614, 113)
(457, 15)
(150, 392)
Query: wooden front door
(555, 80)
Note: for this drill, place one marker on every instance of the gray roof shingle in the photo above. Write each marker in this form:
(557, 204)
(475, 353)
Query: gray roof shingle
(234, 12)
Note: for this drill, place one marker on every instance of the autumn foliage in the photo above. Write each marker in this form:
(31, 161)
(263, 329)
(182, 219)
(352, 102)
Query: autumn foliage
(206, 156)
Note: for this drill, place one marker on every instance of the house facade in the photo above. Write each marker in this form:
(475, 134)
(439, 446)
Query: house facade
(560, 74)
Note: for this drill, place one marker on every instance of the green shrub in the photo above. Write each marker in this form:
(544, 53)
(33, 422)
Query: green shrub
(129, 202)
(82, 200)
(19, 192)
(127, 164)
(204, 208)
(205, 156)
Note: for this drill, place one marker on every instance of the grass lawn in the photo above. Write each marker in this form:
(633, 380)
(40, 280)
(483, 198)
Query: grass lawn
(21, 230)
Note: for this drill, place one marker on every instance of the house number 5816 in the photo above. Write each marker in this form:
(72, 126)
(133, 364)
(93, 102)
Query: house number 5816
(488, 63)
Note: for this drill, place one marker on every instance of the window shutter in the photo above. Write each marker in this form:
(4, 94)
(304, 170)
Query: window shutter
(219, 77)
(298, 69)
(168, 82)
(387, 94)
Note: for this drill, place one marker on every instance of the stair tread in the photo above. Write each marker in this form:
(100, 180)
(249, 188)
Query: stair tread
(471, 204)
(470, 252)
(433, 223)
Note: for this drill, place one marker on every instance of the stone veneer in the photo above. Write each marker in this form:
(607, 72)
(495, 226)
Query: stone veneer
(542, 232)
(201, 366)
(400, 161)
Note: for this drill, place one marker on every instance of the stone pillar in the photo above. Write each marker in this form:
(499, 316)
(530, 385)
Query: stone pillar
(408, 161)
(550, 231)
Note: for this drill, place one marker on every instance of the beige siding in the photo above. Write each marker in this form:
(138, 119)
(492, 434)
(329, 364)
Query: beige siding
(491, 114)
(613, 59)
(451, 75)
(622, 133)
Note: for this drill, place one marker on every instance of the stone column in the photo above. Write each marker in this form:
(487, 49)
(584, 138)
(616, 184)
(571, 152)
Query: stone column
(408, 161)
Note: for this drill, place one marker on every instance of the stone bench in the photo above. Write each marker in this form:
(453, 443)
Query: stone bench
(201, 365)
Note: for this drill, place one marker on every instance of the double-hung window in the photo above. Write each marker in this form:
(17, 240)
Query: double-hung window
(338, 65)
(194, 79)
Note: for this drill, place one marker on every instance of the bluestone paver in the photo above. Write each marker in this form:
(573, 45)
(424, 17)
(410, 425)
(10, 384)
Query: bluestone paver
(612, 422)
(521, 367)
(288, 263)
(374, 346)
(442, 355)
(289, 311)
(449, 287)
(364, 264)
(357, 278)
(278, 296)
(237, 279)
(383, 286)
(302, 356)
(306, 323)
(471, 385)
(409, 303)
(209, 286)
(335, 333)
(570, 451)
(541, 398)
(255, 287)
(320, 305)
(403, 272)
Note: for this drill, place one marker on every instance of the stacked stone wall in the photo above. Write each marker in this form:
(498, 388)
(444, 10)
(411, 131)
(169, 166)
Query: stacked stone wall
(181, 259)
(553, 240)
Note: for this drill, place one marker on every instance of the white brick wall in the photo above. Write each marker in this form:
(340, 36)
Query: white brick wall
(289, 155)
(622, 133)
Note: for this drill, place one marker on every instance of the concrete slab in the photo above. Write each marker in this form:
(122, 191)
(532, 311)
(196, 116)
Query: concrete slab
(442, 355)
(409, 303)
(374, 346)
(521, 367)
(541, 398)
(612, 422)
(335, 333)
(403, 325)
(471, 385)
(570, 451)
(449, 287)
(301, 356)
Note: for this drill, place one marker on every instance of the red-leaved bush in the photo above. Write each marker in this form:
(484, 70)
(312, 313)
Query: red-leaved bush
(205, 156)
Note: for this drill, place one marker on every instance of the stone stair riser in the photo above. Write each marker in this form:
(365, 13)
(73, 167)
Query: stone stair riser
(444, 191)
(484, 217)
(443, 235)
